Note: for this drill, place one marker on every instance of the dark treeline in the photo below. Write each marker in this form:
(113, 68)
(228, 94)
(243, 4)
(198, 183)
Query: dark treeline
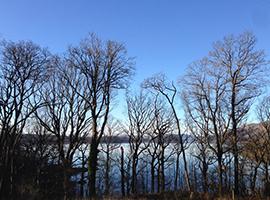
(58, 139)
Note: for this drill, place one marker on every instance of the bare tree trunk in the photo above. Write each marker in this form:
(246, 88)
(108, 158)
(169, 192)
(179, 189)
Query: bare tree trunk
(134, 175)
(182, 147)
(152, 166)
(235, 147)
(122, 173)
(11, 177)
(194, 178)
(254, 177)
(158, 178)
(220, 174)
(235, 139)
(93, 163)
(82, 183)
(205, 177)
(162, 172)
(5, 172)
(65, 184)
(107, 173)
(128, 178)
(176, 172)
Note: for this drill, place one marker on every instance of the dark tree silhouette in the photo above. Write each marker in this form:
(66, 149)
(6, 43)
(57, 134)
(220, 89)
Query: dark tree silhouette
(160, 85)
(244, 67)
(23, 68)
(65, 115)
(105, 67)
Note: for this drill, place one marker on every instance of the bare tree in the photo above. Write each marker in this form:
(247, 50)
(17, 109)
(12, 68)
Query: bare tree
(105, 68)
(205, 97)
(23, 68)
(244, 67)
(263, 113)
(83, 160)
(108, 146)
(123, 172)
(160, 85)
(160, 139)
(65, 115)
(140, 116)
(38, 146)
(254, 151)
(203, 152)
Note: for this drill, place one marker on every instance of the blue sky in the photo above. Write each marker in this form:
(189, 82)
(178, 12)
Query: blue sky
(163, 35)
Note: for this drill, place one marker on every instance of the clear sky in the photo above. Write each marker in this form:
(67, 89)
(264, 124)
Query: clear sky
(163, 35)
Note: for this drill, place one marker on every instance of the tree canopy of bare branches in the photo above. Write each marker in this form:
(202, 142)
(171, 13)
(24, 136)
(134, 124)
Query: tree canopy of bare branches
(23, 68)
(105, 67)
